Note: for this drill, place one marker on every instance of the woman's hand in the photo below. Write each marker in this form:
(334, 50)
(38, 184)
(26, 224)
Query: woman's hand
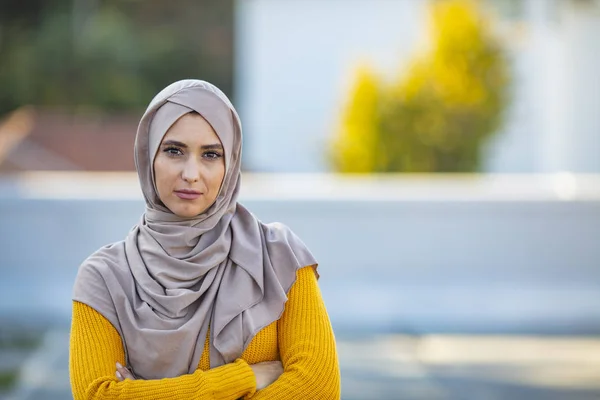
(266, 373)
(123, 373)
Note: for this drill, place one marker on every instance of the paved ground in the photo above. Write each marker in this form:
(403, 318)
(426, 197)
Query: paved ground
(463, 367)
(405, 367)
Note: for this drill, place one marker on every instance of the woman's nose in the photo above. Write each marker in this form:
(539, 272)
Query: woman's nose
(191, 171)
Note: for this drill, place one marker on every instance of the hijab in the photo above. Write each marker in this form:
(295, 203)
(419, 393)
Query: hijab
(172, 277)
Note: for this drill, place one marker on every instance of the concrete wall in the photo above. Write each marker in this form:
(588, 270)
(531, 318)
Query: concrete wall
(417, 255)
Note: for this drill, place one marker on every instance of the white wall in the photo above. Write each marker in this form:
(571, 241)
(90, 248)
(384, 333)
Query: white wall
(575, 144)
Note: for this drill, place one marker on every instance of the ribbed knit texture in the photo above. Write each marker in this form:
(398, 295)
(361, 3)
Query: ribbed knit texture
(302, 339)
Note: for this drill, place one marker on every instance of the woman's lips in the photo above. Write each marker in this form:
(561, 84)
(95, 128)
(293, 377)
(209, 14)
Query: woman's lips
(187, 194)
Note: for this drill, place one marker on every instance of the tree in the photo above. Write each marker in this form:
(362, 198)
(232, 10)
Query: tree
(112, 54)
(354, 149)
(437, 116)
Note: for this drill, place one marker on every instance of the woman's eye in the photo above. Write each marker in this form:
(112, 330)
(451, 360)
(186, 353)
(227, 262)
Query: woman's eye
(173, 151)
(212, 155)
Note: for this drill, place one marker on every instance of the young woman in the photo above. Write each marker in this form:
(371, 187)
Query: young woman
(201, 300)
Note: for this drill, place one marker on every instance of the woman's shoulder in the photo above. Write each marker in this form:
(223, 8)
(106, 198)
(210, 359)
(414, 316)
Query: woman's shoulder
(108, 256)
(98, 275)
(278, 230)
(98, 266)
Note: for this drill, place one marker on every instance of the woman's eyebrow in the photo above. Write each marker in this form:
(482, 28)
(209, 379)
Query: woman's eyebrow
(216, 146)
(173, 143)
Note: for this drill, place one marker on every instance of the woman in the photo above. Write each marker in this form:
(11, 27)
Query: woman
(201, 300)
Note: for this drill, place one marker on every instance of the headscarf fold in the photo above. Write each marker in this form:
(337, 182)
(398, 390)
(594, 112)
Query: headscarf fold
(172, 277)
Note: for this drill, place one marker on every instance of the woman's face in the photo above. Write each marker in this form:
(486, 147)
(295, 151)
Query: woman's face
(189, 166)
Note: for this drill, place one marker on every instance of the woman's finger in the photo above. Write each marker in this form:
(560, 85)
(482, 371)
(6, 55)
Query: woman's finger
(123, 373)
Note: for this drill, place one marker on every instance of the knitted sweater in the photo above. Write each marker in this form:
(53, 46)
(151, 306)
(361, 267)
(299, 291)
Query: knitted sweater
(302, 339)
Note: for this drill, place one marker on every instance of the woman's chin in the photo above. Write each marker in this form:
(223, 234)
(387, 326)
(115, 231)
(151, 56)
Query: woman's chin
(187, 210)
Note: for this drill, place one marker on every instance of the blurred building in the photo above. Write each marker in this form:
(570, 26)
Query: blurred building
(295, 60)
(48, 140)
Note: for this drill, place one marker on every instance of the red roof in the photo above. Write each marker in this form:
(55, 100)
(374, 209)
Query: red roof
(50, 140)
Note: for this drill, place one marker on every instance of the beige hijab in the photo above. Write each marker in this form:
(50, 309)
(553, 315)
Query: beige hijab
(172, 277)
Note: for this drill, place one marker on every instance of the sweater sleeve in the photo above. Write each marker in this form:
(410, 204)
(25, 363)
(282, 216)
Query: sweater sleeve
(307, 346)
(95, 347)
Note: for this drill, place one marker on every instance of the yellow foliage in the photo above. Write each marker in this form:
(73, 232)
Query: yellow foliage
(437, 116)
(354, 151)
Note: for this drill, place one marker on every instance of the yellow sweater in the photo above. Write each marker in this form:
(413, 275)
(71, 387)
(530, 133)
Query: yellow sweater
(302, 339)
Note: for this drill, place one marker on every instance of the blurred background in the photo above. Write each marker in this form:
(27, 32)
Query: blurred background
(441, 158)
